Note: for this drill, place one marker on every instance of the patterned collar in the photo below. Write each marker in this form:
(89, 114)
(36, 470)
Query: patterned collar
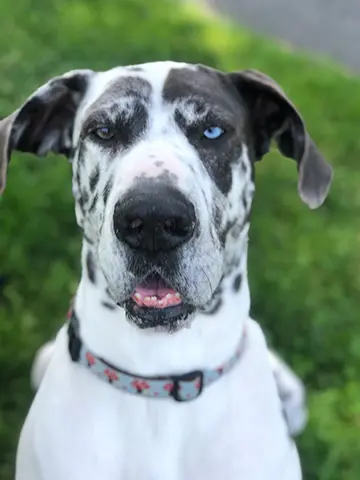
(181, 388)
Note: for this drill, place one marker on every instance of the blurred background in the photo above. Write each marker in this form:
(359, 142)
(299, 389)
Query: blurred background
(304, 265)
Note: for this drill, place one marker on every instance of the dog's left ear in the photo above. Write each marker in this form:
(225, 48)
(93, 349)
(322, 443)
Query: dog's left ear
(274, 117)
(44, 123)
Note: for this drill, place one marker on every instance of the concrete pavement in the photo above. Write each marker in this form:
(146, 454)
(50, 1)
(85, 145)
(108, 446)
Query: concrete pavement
(330, 27)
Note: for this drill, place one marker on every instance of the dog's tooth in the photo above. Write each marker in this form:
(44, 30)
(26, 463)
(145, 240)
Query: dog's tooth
(147, 301)
(138, 298)
(177, 295)
(169, 295)
(176, 300)
(154, 298)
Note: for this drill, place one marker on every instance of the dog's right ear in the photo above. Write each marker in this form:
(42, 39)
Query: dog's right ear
(273, 117)
(44, 123)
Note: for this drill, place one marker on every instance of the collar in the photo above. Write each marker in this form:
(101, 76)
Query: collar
(181, 388)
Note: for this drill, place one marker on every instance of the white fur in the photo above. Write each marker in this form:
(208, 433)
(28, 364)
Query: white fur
(79, 428)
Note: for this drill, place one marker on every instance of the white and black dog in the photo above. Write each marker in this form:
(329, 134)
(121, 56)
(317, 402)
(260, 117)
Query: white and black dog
(160, 374)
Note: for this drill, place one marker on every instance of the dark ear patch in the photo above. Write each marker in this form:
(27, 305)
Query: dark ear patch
(273, 117)
(44, 123)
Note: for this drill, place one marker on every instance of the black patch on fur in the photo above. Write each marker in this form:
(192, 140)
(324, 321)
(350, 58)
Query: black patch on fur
(107, 191)
(83, 200)
(81, 156)
(132, 87)
(90, 267)
(244, 201)
(93, 203)
(199, 109)
(224, 233)
(216, 307)
(237, 282)
(217, 216)
(77, 174)
(216, 301)
(165, 177)
(210, 91)
(128, 126)
(94, 178)
(108, 305)
(128, 122)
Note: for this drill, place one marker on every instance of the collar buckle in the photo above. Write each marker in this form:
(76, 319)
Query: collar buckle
(187, 387)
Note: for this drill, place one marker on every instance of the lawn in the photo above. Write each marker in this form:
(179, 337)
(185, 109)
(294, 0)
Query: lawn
(303, 264)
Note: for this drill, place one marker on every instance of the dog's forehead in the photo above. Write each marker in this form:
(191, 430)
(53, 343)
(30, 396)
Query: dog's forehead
(202, 85)
(134, 80)
(169, 81)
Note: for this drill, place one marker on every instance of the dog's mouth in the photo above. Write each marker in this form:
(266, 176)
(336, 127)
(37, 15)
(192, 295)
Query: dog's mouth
(154, 303)
(154, 292)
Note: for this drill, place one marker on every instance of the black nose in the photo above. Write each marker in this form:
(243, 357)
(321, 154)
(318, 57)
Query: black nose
(154, 219)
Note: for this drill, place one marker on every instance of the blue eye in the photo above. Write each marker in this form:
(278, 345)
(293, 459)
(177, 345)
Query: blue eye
(212, 133)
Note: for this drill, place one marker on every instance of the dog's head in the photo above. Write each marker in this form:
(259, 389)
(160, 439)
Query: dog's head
(163, 157)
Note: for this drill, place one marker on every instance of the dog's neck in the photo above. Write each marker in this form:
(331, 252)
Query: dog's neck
(208, 341)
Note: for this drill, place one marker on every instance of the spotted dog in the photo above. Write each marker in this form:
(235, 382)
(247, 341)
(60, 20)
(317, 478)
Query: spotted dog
(159, 372)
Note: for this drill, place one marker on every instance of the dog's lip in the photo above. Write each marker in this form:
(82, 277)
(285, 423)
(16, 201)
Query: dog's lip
(158, 317)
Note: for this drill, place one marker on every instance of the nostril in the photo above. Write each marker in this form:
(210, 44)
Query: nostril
(178, 227)
(135, 226)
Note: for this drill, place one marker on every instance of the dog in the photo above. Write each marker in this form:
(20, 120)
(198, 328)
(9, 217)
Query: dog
(160, 373)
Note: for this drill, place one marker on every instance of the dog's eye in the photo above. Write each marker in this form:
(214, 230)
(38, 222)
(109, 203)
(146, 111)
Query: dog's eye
(104, 133)
(213, 133)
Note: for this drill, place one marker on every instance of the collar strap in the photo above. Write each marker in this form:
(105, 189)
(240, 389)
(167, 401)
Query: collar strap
(181, 388)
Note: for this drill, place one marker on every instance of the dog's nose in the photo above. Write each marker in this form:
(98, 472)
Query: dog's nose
(154, 219)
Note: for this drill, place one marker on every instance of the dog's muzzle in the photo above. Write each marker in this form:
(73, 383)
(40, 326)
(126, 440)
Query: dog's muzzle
(153, 222)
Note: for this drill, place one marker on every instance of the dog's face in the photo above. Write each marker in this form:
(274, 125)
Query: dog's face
(163, 157)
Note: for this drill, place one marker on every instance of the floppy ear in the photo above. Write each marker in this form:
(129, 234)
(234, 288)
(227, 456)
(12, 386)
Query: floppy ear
(44, 123)
(274, 117)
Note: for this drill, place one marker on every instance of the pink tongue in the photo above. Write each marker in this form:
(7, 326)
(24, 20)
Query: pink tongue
(152, 292)
(153, 288)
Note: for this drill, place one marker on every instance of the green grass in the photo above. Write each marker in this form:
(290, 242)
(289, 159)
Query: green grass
(303, 264)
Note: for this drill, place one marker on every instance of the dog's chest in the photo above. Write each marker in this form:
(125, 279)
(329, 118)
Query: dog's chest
(115, 436)
(84, 429)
